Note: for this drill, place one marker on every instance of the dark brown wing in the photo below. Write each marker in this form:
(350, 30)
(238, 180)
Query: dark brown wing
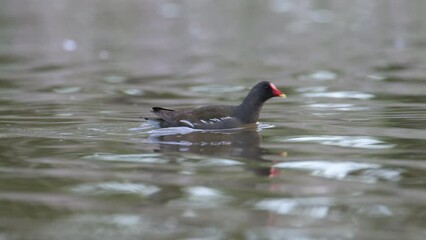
(214, 117)
(211, 112)
(207, 117)
(171, 116)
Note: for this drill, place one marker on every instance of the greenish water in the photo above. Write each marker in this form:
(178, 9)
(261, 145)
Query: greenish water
(343, 157)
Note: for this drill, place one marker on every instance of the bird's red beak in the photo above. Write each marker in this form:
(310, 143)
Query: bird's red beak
(276, 92)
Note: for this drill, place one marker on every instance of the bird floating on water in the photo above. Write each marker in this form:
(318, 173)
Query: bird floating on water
(219, 116)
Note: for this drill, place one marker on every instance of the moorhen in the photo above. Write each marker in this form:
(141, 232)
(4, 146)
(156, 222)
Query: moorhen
(219, 116)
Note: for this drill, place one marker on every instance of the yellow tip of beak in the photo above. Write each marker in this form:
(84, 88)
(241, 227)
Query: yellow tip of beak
(282, 95)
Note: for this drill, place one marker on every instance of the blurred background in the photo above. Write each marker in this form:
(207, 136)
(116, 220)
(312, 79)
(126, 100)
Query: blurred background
(341, 158)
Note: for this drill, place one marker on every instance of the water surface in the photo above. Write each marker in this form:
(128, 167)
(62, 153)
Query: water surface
(343, 157)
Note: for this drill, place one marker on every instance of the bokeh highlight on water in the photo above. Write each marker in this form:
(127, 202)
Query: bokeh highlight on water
(342, 157)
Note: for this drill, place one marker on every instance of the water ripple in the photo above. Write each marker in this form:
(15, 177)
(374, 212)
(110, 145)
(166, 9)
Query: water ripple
(116, 187)
(322, 75)
(335, 170)
(355, 171)
(139, 158)
(172, 131)
(314, 207)
(202, 197)
(315, 89)
(66, 90)
(342, 141)
(338, 106)
(341, 94)
(216, 88)
(217, 162)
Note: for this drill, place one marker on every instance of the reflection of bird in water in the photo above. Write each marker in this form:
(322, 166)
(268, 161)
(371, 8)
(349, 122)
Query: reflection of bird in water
(242, 143)
(239, 143)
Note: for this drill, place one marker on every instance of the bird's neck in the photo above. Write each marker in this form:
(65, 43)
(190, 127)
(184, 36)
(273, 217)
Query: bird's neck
(249, 110)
